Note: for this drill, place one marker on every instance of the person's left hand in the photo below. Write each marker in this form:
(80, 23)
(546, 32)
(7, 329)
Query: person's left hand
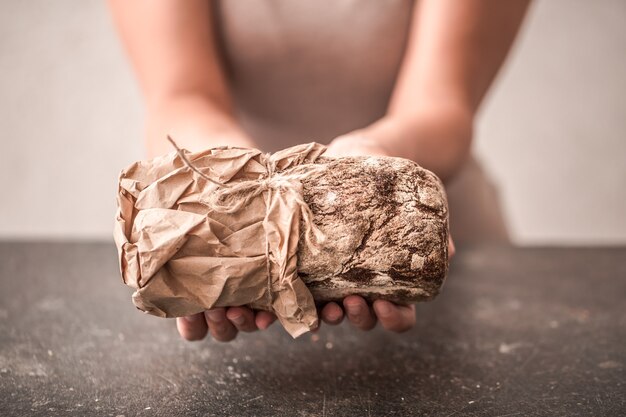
(355, 144)
(393, 317)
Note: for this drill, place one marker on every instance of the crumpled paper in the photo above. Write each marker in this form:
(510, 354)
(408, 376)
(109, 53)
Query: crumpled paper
(218, 228)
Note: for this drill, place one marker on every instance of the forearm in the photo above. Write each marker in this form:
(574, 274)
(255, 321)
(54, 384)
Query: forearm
(454, 51)
(174, 53)
(194, 121)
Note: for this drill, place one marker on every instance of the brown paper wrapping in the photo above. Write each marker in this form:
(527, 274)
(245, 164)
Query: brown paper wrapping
(218, 228)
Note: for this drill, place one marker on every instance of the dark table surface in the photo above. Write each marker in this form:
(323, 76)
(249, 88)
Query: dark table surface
(539, 331)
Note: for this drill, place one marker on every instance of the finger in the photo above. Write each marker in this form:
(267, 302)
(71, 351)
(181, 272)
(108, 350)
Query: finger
(264, 319)
(359, 313)
(220, 327)
(192, 327)
(451, 247)
(394, 317)
(242, 318)
(332, 314)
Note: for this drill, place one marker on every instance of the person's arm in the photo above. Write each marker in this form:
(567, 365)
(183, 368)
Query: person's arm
(173, 50)
(455, 50)
(172, 47)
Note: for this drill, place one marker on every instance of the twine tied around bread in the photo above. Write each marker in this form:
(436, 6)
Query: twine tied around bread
(232, 197)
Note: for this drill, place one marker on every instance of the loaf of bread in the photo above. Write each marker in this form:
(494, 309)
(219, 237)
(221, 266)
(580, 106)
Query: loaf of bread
(235, 226)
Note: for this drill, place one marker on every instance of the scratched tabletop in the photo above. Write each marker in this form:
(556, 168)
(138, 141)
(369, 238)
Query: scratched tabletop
(534, 331)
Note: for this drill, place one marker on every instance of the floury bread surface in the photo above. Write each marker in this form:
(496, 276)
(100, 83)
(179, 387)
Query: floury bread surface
(386, 226)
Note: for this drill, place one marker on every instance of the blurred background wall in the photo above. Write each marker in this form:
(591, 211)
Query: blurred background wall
(552, 132)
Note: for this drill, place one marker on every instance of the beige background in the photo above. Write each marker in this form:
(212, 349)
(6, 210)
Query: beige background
(552, 133)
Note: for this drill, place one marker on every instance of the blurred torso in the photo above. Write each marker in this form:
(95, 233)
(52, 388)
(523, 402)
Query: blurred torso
(305, 71)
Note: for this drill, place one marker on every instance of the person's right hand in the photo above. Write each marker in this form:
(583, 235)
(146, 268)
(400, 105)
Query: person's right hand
(223, 323)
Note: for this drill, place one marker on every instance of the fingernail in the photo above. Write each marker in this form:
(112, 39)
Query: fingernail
(384, 309)
(215, 315)
(238, 319)
(192, 319)
(354, 309)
